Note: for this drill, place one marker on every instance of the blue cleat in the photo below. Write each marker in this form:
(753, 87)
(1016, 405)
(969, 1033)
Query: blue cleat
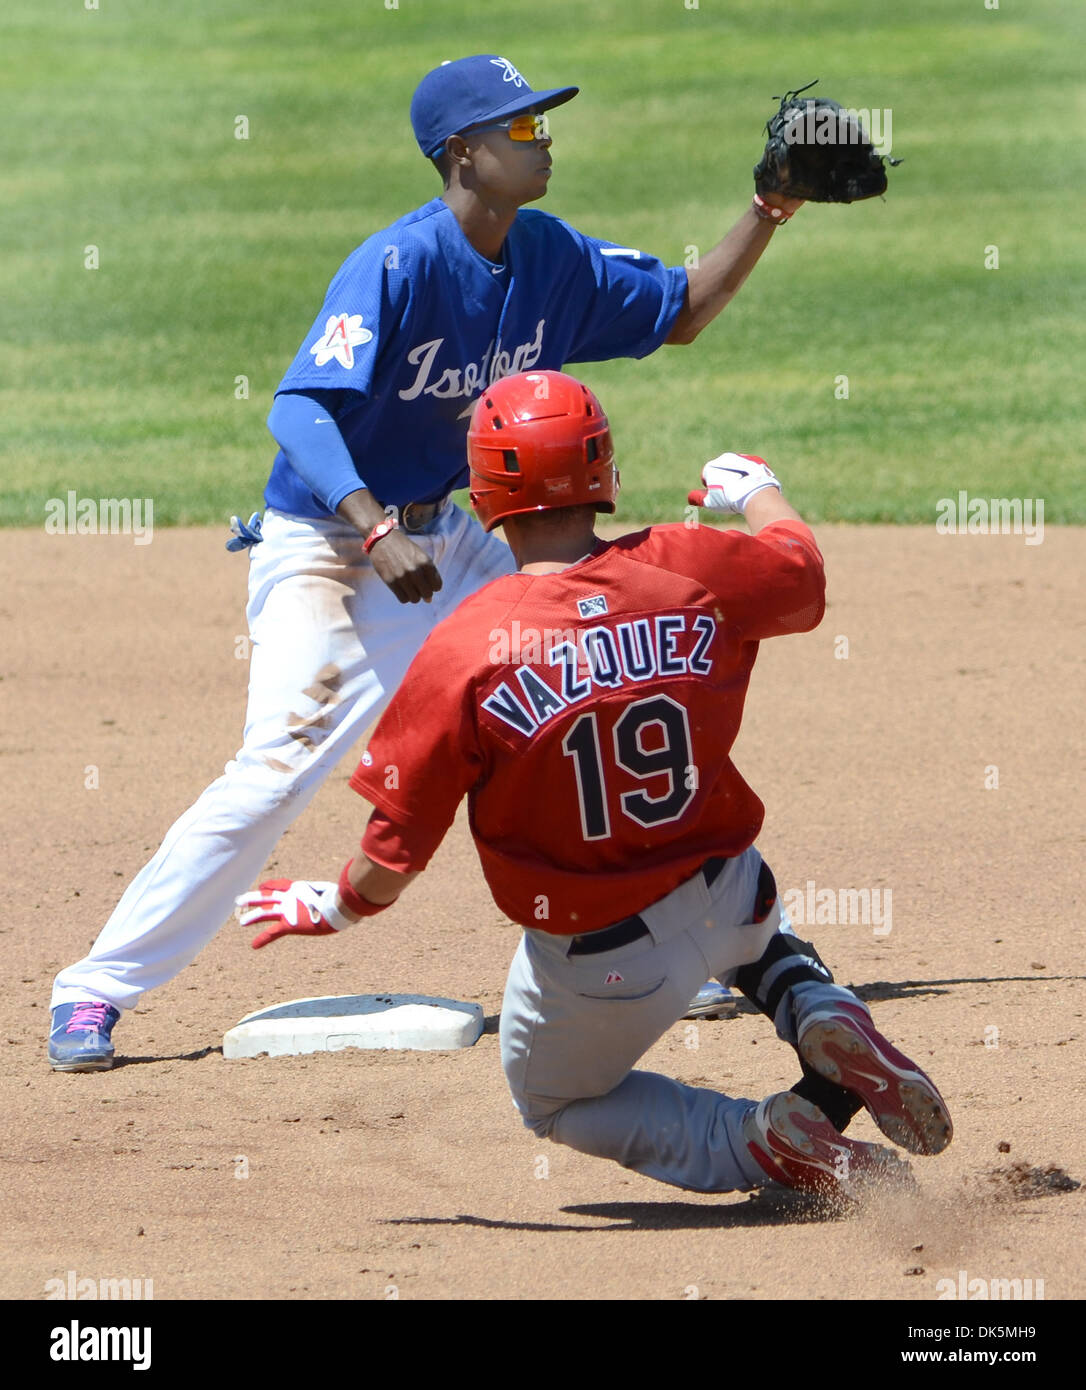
(80, 1037)
(710, 1001)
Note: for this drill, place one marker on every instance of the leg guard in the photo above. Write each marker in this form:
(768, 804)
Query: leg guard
(767, 983)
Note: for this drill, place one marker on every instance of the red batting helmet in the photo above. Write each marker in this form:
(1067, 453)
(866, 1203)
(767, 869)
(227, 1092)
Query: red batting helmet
(539, 440)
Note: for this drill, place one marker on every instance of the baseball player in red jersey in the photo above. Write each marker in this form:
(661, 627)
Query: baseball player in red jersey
(362, 549)
(587, 706)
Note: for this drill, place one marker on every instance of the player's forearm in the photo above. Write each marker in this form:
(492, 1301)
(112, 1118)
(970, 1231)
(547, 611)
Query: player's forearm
(718, 278)
(766, 507)
(362, 510)
(313, 444)
(373, 883)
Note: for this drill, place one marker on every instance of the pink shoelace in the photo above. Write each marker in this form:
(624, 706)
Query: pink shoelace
(90, 1015)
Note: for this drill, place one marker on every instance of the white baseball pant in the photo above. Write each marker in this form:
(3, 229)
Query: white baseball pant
(330, 644)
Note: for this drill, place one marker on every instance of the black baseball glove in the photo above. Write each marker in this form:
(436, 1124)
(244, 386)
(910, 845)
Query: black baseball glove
(818, 151)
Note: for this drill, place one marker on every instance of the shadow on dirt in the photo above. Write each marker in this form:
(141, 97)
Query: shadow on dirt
(878, 991)
(759, 1209)
(197, 1056)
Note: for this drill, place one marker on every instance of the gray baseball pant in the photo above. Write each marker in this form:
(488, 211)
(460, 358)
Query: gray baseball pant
(574, 1026)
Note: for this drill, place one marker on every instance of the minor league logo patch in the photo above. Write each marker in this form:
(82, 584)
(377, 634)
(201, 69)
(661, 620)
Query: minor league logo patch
(509, 72)
(342, 334)
(592, 607)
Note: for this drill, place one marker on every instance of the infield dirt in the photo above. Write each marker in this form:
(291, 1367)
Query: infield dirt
(938, 760)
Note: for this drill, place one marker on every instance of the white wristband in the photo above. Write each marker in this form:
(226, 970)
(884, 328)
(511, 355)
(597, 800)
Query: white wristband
(330, 910)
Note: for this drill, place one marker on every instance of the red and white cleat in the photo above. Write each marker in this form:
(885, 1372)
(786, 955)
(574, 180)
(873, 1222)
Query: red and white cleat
(843, 1045)
(798, 1147)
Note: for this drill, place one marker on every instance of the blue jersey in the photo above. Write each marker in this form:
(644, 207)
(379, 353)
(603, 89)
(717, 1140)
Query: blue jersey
(416, 323)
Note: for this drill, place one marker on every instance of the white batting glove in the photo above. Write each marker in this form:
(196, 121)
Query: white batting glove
(291, 907)
(731, 480)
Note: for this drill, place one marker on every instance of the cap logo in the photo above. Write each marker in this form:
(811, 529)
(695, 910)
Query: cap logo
(509, 72)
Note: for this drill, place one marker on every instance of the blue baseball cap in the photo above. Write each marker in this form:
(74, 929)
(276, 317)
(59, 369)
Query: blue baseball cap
(470, 92)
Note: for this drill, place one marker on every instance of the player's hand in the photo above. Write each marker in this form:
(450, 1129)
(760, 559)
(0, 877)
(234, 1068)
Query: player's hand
(730, 481)
(245, 534)
(289, 907)
(405, 567)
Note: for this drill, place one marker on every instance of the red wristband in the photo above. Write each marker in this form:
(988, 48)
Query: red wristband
(354, 901)
(380, 530)
(769, 214)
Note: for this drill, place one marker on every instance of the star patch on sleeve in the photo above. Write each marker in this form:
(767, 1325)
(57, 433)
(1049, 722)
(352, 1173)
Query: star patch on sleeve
(342, 334)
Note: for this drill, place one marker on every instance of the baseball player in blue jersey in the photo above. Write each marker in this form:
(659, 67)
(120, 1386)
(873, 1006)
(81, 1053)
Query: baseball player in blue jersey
(361, 552)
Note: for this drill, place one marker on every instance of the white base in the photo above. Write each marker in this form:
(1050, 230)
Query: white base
(335, 1022)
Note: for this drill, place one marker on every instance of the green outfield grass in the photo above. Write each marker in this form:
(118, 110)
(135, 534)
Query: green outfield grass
(214, 252)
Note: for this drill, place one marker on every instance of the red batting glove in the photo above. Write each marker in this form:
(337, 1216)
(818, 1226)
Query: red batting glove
(291, 907)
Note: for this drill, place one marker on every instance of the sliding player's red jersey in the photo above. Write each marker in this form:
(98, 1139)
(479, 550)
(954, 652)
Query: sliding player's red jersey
(588, 716)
